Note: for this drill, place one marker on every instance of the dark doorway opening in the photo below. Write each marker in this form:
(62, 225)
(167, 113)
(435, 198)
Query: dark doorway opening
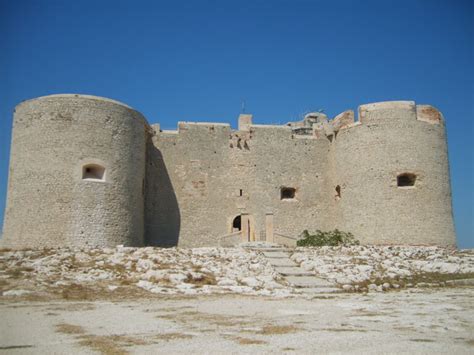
(237, 224)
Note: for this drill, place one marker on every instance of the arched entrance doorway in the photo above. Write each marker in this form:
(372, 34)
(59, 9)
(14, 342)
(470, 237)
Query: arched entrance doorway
(246, 224)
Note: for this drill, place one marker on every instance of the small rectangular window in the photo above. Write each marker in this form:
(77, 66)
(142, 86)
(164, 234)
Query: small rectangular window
(240, 192)
(93, 172)
(287, 193)
(406, 180)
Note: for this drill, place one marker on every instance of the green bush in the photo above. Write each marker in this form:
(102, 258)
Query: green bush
(331, 238)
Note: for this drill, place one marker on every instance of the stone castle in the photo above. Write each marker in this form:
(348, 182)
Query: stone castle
(89, 171)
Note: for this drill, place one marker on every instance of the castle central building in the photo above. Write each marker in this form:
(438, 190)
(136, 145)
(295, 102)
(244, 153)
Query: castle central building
(89, 171)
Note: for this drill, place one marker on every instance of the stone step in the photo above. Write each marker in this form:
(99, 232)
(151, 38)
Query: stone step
(282, 262)
(318, 290)
(271, 250)
(293, 271)
(460, 282)
(277, 254)
(308, 281)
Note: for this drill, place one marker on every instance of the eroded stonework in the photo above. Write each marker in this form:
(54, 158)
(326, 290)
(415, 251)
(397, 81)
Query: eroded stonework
(91, 171)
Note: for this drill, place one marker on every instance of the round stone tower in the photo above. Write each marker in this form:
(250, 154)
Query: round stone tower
(392, 176)
(77, 172)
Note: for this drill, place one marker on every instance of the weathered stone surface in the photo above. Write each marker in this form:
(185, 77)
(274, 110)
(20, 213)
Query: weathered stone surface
(187, 187)
(427, 113)
(343, 120)
(385, 267)
(49, 203)
(292, 271)
(308, 281)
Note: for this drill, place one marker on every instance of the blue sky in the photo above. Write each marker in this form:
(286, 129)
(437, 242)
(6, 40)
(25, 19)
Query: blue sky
(197, 60)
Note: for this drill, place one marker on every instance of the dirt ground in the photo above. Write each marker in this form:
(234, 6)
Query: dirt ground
(415, 321)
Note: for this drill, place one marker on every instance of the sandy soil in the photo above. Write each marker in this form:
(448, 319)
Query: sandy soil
(410, 321)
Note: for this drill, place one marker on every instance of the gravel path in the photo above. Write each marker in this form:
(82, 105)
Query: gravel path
(411, 321)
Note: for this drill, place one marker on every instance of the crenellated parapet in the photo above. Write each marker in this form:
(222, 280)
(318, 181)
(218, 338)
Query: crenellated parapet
(392, 165)
(317, 125)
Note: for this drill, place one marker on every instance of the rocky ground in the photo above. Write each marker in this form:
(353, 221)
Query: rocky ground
(88, 273)
(381, 268)
(232, 300)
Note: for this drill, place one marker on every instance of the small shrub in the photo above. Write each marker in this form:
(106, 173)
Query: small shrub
(331, 238)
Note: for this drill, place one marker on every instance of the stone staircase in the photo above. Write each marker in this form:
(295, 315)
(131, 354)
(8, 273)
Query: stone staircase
(302, 280)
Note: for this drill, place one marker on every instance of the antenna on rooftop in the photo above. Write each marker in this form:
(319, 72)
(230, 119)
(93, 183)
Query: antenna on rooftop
(242, 108)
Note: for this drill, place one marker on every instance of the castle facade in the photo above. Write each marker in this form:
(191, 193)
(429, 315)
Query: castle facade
(89, 171)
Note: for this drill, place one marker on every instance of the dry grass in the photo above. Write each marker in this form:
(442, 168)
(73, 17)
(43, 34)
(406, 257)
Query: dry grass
(116, 268)
(163, 266)
(15, 347)
(100, 291)
(436, 277)
(172, 336)
(426, 277)
(278, 329)
(407, 328)
(363, 313)
(3, 283)
(102, 344)
(69, 329)
(107, 345)
(72, 307)
(43, 253)
(248, 341)
(422, 340)
(343, 330)
(208, 318)
(78, 292)
(204, 279)
(18, 272)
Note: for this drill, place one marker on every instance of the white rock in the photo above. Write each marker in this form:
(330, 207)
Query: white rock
(16, 292)
(226, 282)
(177, 278)
(145, 264)
(240, 289)
(347, 287)
(372, 287)
(343, 280)
(250, 281)
(147, 285)
(154, 275)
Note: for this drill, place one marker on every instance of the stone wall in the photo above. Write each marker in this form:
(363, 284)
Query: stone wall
(389, 140)
(186, 187)
(217, 174)
(49, 203)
